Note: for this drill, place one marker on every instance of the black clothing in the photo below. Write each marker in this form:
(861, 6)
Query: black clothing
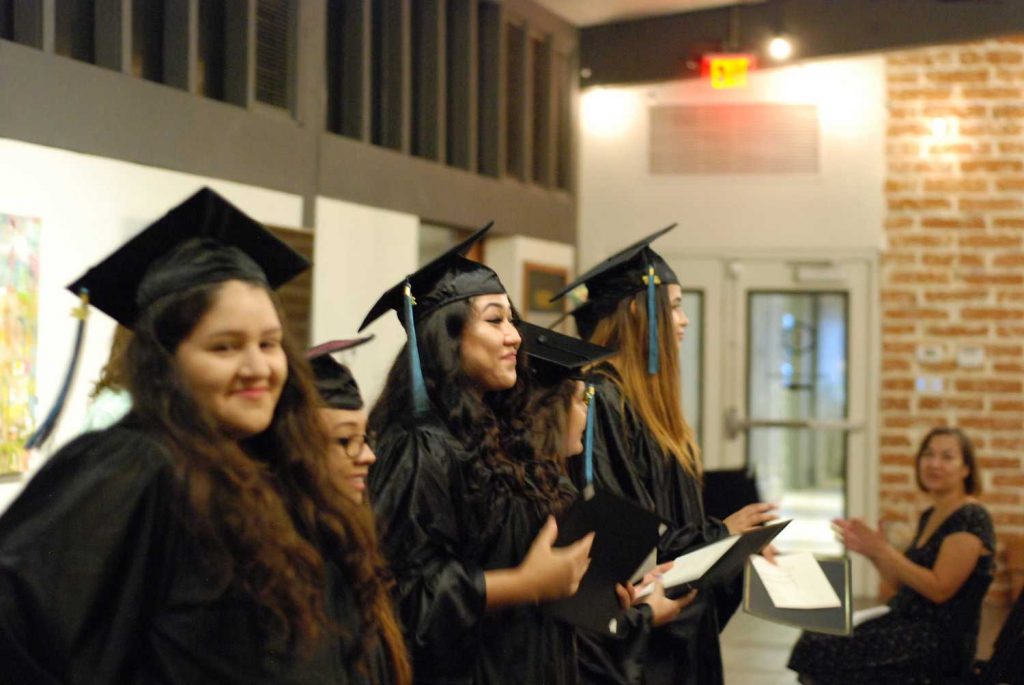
(630, 463)
(444, 521)
(918, 640)
(102, 582)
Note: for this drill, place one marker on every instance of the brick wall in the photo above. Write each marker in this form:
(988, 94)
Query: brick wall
(953, 273)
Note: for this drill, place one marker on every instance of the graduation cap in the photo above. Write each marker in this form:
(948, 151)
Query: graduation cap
(583, 315)
(333, 380)
(555, 357)
(205, 239)
(628, 271)
(446, 279)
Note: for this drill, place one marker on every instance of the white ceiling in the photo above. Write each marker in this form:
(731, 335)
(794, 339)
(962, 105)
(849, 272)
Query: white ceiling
(590, 12)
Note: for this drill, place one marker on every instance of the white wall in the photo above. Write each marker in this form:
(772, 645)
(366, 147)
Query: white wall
(361, 252)
(88, 206)
(507, 255)
(840, 207)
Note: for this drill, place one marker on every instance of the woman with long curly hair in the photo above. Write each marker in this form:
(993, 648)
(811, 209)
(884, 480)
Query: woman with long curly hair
(463, 501)
(644, 450)
(202, 538)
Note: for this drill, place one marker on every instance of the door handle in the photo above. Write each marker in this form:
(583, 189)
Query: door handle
(736, 424)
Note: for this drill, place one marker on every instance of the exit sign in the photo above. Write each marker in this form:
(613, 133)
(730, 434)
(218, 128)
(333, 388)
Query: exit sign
(727, 70)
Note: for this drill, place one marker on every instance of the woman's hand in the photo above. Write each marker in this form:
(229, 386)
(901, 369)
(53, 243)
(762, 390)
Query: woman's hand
(552, 573)
(750, 517)
(664, 609)
(861, 538)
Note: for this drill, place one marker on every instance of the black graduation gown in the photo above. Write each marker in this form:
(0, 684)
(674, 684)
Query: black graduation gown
(441, 528)
(628, 462)
(101, 582)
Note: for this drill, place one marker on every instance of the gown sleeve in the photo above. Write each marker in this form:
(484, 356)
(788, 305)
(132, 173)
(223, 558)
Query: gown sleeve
(441, 596)
(80, 560)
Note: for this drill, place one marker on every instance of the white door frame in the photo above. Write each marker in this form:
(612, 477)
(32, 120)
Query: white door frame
(725, 277)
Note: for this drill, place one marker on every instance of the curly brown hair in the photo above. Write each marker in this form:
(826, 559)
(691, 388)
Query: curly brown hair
(248, 501)
(112, 376)
(496, 425)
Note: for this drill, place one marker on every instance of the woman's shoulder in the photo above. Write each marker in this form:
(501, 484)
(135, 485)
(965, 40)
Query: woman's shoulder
(115, 455)
(972, 517)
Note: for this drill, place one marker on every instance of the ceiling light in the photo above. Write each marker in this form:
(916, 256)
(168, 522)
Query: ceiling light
(780, 48)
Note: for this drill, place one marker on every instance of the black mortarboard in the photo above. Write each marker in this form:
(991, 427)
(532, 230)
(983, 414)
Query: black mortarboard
(446, 279)
(203, 240)
(555, 356)
(626, 272)
(583, 315)
(333, 380)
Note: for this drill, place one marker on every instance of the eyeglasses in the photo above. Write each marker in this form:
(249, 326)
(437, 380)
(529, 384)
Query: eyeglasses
(353, 444)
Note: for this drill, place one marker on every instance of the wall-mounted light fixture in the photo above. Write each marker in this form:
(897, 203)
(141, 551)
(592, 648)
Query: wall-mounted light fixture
(780, 48)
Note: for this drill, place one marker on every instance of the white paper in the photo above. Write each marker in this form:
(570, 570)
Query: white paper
(869, 614)
(796, 581)
(692, 565)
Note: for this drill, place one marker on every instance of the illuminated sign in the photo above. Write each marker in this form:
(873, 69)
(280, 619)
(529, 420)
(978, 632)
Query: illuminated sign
(727, 70)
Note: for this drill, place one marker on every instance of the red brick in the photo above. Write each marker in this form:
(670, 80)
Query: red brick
(1010, 148)
(899, 329)
(1008, 112)
(972, 204)
(892, 495)
(920, 203)
(1000, 498)
(992, 385)
(1009, 75)
(1004, 296)
(1012, 259)
(938, 93)
(1008, 405)
(937, 259)
(900, 296)
(968, 403)
(1004, 57)
(994, 166)
(988, 462)
(1010, 184)
(1008, 222)
(990, 423)
(1008, 367)
(903, 148)
(904, 78)
(917, 166)
(993, 279)
(898, 222)
(962, 295)
(898, 258)
(893, 347)
(991, 93)
(895, 478)
(895, 403)
(1010, 331)
(962, 148)
(919, 240)
(1004, 350)
(956, 111)
(897, 384)
(957, 330)
(1004, 443)
(919, 277)
(894, 440)
(971, 222)
(916, 313)
(970, 260)
(958, 76)
(990, 241)
(911, 128)
(992, 313)
(990, 128)
(955, 185)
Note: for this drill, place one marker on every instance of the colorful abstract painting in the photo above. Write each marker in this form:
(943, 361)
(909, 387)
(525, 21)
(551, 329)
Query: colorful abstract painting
(19, 286)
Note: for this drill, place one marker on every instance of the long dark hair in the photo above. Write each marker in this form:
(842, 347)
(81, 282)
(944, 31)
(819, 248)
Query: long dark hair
(493, 425)
(247, 501)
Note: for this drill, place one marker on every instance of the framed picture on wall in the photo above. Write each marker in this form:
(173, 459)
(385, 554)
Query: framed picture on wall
(540, 283)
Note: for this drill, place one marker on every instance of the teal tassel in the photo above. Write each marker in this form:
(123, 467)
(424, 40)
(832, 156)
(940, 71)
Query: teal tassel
(652, 324)
(588, 441)
(419, 387)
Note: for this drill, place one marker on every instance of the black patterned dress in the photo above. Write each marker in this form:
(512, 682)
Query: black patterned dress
(919, 639)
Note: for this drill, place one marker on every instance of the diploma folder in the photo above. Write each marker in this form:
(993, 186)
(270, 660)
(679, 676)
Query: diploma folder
(717, 562)
(835, 621)
(624, 535)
